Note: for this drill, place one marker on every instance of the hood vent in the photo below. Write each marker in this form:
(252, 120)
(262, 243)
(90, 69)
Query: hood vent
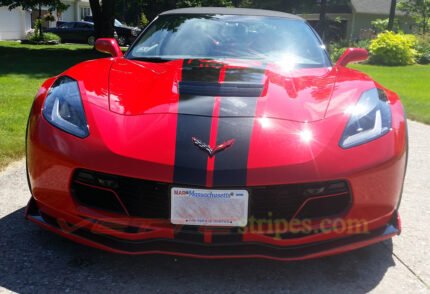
(221, 89)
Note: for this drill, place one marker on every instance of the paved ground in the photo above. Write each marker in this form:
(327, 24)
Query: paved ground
(33, 260)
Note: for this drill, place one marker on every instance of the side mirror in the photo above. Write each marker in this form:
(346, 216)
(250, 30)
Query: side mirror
(352, 55)
(108, 45)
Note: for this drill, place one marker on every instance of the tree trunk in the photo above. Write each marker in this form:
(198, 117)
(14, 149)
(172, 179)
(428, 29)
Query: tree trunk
(40, 28)
(392, 15)
(103, 18)
(322, 21)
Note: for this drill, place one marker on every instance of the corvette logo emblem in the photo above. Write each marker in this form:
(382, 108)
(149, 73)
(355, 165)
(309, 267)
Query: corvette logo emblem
(205, 147)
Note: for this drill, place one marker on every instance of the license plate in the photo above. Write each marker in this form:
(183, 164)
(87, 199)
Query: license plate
(199, 207)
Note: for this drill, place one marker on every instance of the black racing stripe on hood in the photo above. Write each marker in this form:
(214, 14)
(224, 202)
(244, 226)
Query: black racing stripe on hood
(190, 162)
(190, 167)
(230, 89)
(198, 71)
(201, 70)
(231, 165)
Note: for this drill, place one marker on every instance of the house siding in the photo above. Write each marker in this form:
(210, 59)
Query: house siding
(14, 23)
(73, 12)
(363, 22)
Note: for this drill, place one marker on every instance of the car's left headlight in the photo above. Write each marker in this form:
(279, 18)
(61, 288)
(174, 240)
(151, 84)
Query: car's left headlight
(63, 107)
(370, 119)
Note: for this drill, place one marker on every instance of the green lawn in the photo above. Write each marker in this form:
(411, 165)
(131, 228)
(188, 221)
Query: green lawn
(412, 83)
(23, 68)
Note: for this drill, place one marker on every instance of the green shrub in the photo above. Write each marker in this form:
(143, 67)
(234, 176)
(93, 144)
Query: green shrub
(393, 49)
(423, 50)
(51, 37)
(336, 53)
(143, 20)
(46, 38)
(365, 44)
(379, 25)
(336, 49)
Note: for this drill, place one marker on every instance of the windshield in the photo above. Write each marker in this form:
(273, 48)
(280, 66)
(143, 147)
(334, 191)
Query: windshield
(269, 39)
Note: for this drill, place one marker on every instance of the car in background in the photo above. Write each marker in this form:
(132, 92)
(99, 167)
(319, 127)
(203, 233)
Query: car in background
(79, 31)
(126, 34)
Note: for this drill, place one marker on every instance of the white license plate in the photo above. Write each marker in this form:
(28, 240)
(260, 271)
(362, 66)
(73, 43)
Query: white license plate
(199, 207)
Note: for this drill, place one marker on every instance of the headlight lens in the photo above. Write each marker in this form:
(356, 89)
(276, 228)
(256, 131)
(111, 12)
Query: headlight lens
(63, 107)
(370, 119)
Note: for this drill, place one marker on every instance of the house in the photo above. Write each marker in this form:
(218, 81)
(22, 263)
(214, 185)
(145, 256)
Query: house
(354, 20)
(15, 23)
(76, 11)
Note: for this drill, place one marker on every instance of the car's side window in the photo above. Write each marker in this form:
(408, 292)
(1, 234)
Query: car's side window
(83, 26)
(66, 25)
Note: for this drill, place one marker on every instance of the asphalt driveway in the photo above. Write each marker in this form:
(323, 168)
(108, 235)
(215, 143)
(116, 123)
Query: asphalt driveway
(34, 260)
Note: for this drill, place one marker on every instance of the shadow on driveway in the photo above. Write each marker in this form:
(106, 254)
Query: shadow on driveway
(34, 260)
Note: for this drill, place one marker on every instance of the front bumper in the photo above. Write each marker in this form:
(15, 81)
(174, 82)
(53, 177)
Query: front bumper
(88, 233)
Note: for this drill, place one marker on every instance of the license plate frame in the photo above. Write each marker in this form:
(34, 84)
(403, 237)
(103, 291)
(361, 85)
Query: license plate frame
(209, 207)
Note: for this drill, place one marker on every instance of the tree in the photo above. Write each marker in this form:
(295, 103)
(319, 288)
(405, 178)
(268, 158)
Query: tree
(103, 17)
(381, 25)
(392, 15)
(322, 21)
(33, 4)
(419, 10)
(152, 8)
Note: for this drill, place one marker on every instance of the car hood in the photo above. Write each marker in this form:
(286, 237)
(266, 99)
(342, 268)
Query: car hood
(226, 88)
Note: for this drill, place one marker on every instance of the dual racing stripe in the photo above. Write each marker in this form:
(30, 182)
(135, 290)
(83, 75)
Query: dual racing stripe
(214, 120)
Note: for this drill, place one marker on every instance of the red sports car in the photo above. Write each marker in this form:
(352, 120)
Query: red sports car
(221, 133)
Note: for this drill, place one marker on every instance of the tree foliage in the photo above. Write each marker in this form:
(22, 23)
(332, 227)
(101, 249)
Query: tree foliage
(382, 24)
(33, 4)
(419, 10)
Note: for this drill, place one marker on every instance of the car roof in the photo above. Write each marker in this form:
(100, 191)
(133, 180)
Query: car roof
(231, 11)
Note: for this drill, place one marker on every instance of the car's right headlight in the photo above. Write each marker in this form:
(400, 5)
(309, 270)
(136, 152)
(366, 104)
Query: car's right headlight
(63, 107)
(370, 119)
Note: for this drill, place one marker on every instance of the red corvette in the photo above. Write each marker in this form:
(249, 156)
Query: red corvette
(221, 133)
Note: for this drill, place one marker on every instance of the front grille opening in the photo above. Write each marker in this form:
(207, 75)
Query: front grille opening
(325, 206)
(150, 199)
(96, 198)
(284, 202)
(140, 198)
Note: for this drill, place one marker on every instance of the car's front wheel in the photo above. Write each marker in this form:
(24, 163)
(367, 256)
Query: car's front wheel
(91, 40)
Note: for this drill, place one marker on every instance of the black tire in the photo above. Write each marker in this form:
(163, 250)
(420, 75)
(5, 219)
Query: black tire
(122, 41)
(91, 40)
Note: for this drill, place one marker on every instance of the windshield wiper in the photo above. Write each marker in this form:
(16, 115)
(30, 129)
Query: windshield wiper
(151, 59)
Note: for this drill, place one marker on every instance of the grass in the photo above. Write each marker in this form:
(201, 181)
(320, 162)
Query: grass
(23, 68)
(412, 83)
